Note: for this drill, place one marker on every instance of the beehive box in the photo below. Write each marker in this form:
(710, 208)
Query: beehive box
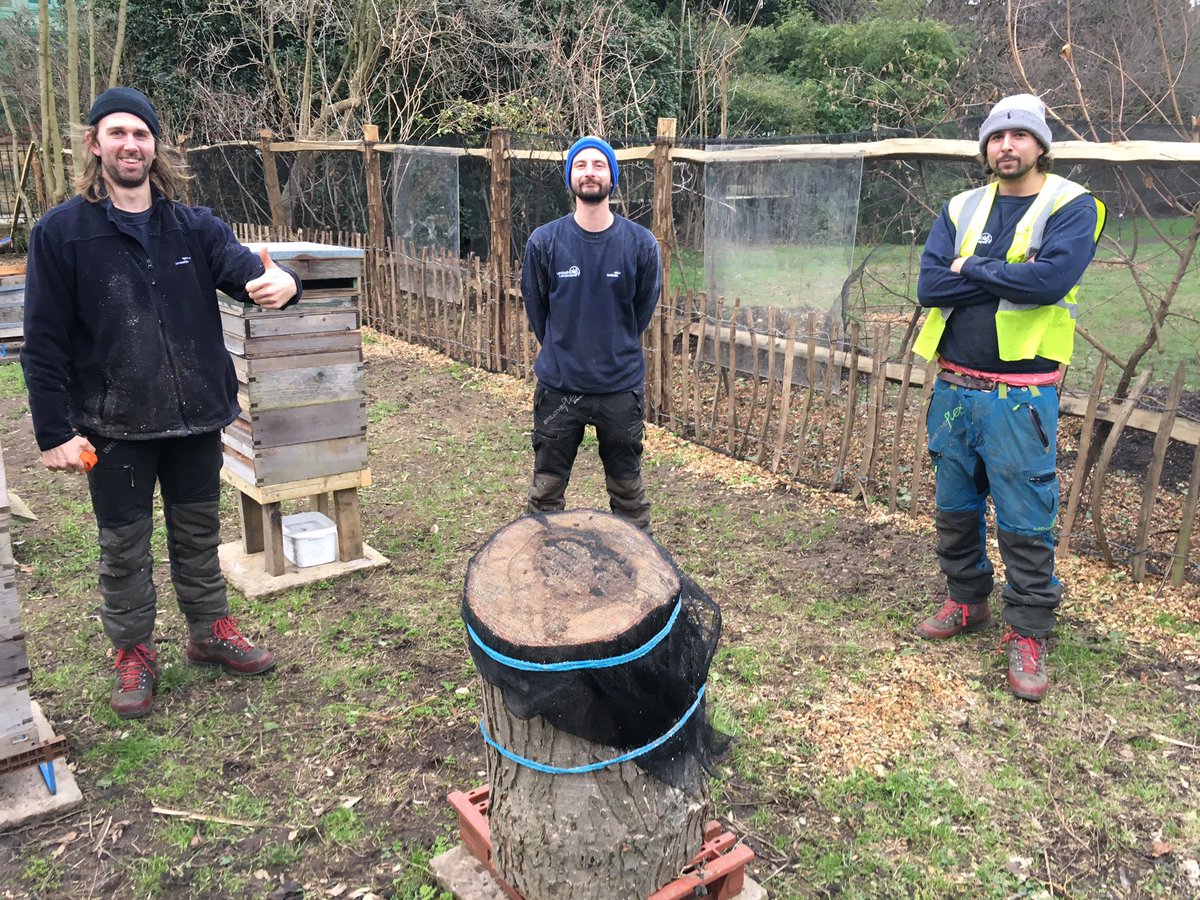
(12, 305)
(17, 730)
(14, 663)
(14, 659)
(300, 373)
(12, 315)
(16, 713)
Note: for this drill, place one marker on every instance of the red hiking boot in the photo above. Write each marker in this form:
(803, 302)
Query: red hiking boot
(1027, 675)
(227, 648)
(955, 618)
(137, 671)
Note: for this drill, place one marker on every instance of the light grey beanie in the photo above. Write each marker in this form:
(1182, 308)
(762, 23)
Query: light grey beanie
(1018, 111)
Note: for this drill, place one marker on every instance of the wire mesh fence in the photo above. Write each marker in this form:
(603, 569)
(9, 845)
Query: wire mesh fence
(799, 357)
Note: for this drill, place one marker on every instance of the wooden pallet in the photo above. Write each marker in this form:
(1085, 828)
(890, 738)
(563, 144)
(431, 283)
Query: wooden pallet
(718, 871)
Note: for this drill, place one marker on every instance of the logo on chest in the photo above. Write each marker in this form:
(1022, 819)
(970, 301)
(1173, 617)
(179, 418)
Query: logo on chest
(572, 272)
(985, 238)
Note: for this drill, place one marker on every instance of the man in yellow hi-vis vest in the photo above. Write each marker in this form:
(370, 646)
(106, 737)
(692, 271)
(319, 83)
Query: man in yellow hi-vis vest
(999, 276)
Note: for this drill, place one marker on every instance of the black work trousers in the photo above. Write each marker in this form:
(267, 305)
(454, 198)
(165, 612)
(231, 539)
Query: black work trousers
(187, 469)
(559, 421)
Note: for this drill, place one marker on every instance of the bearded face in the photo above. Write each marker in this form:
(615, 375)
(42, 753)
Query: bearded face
(1013, 153)
(591, 178)
(126, 147)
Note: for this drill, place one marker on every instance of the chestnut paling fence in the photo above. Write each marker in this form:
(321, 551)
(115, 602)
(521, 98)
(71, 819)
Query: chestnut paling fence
(801, 395)
(833, 399)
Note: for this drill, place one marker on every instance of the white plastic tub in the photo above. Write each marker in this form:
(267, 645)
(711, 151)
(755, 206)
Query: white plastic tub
(309, 539)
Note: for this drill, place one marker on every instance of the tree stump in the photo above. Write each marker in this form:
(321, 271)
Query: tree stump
(578, 585)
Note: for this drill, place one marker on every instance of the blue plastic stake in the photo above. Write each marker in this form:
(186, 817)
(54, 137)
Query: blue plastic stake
(47, 770)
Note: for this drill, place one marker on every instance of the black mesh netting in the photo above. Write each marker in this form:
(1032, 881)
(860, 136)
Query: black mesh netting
(630, 705)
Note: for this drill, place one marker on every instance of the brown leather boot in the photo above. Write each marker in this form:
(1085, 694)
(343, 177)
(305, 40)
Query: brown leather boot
(227, 648)
(955, 618)
(137, 671)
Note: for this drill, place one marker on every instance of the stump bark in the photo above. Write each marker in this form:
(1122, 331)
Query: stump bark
(577, 578)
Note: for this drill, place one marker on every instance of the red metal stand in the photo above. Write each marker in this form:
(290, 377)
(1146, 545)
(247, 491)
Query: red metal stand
(720, 866)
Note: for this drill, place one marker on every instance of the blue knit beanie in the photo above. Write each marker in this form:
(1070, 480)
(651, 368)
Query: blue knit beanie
(583, 144)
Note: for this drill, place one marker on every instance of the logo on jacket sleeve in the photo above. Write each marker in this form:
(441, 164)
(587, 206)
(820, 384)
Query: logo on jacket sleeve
(572, 272)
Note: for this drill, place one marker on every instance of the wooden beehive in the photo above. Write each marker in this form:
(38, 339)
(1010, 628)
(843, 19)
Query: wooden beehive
(12, 311)
(300, 373)
(16, 713)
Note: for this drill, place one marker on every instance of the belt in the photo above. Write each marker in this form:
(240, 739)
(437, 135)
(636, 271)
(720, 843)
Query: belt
(968, 381)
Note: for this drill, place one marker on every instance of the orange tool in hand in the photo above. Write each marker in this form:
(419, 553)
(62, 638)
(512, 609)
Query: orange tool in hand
(88, 458)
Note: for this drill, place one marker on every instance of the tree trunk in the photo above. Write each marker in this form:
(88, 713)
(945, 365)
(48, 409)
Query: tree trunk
(73, 115)
(52, 158)
(616, 832)
(580, 585)
(114, 72)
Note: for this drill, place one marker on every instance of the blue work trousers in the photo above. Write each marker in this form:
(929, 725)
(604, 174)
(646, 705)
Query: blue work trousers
(1000, 443)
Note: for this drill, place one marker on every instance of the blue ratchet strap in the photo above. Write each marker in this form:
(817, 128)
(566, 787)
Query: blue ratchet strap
(593, 767)
(572, 665)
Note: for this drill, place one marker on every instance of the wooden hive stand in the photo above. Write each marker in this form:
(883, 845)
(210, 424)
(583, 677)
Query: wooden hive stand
(302, 429)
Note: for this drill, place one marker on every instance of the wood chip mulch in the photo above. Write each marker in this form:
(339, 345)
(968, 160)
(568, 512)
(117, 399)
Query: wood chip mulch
(874, 721)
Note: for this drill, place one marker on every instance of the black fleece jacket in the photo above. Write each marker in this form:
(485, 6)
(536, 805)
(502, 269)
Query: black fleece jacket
(124, 341)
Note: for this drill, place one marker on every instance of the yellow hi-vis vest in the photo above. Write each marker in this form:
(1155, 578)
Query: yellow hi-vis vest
(1023, 331)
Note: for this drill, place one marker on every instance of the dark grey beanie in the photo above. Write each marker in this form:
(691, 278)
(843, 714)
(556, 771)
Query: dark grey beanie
(126, 100)
(1018, 111)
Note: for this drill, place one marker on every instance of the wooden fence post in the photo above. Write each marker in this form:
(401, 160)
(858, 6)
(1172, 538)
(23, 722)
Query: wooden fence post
(769, 400)
(500, 245)
(1081, 455)
(898, 434)
(1141, 546)
(663, 226)
(181, 145)
(39, 184)
(375, 228)
(271, 178)
(1187, 523)
(839, 472)
(920, 439)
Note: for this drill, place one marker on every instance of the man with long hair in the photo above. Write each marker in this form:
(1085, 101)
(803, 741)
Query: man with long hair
(129, 380)
(999, 277)
(590, 283)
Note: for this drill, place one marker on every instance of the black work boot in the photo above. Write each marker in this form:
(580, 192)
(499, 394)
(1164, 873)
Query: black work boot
(627, 499)
(547, 493)
(137, 672)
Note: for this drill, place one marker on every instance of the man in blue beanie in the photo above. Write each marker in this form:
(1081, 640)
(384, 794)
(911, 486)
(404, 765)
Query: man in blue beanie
(590, 283)
(129, 380)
